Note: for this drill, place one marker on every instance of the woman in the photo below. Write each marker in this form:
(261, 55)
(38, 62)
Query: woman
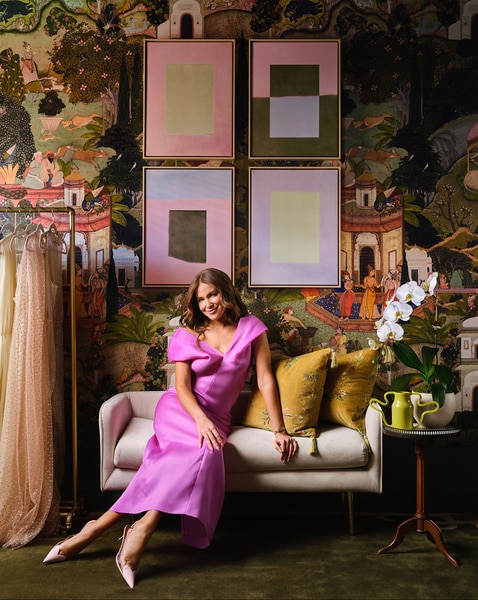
(183, 466)
(367, 308)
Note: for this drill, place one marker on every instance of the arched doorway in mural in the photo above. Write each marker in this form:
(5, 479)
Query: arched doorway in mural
(474, 28)
(187, 27)
(367, 259)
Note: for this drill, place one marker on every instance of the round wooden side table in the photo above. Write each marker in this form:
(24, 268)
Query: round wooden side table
(420, 522)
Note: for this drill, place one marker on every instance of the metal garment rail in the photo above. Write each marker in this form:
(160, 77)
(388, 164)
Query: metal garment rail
(69, 509)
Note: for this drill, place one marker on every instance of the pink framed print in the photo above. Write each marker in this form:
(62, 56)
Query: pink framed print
(189, 93)
(294, 227)
(188, 223)
(294, 99)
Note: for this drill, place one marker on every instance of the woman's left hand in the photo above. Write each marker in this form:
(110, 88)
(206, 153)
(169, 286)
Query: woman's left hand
(286, 445)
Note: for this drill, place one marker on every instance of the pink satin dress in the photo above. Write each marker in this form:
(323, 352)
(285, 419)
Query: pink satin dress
(176, 476)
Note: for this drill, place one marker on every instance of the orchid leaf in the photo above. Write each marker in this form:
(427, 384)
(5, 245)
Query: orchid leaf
(401, 383)
(406, 355)
(438, 393)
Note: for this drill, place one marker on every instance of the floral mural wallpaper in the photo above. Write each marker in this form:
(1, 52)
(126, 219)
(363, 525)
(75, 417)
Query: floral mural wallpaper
(71, 123)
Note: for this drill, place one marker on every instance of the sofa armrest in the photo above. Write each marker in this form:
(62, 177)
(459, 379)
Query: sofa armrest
(114, 416)
(373, 426)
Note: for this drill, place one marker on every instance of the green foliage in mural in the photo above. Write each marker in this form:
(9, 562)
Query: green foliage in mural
(420, 170)
(58, 19)
(51, 104)
(95, 130)
(90, 64)
(264, 14)
(140, 327)
(136, 122)
(265, 304)
(156, 359)
(125, 169)
(157, 11)
(12, 83)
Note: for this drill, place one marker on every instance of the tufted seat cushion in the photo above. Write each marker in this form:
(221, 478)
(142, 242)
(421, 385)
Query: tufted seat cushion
(338, 448)
(252, 450)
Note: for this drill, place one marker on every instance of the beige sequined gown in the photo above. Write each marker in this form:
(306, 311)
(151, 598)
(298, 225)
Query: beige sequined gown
(29, 498)
(8, 282)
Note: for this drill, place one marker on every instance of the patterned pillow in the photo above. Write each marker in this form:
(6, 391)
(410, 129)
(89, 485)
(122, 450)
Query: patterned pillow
(300, 381)
(348, 388)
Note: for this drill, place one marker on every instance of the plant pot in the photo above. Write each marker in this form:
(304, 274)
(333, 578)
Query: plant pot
(439, 419)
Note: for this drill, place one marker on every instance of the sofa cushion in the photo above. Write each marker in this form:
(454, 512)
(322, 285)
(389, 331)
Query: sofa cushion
(252, 450)
(348, 388)
(130, 447)
(300, 381)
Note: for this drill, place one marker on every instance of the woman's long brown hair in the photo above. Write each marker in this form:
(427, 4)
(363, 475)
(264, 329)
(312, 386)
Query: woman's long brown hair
(193, 318)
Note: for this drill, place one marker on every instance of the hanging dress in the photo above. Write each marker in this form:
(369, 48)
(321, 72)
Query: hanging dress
(54, 324)
(176, 476)
(8, 282)
(26, 453)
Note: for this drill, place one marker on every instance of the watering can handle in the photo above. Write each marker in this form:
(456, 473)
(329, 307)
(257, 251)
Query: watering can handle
(373, 402)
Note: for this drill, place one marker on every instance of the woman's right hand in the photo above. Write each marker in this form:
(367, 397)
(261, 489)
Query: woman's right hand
(209, 433)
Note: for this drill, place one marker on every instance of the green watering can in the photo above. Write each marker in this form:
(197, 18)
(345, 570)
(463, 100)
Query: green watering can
(402, 409)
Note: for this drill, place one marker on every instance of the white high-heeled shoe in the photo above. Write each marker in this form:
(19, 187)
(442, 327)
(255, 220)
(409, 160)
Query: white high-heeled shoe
(55, 555)
(126, 571)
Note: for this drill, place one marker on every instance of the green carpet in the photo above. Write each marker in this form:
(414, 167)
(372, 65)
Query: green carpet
(257, 556)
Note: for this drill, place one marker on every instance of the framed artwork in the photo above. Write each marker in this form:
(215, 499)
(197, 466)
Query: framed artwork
(294, 228)
(188, 223)
(189, 94)
(294, 99)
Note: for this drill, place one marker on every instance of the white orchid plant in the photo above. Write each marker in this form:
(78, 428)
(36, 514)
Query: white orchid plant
(439, 379)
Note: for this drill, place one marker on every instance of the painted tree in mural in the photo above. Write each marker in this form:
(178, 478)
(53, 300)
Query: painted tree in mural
(264, 14)
(12, 83)
(136, 123)
(158, 11)
(90, 66)
(17, 145)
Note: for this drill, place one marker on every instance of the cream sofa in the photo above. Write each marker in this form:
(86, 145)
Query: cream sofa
(343, 462)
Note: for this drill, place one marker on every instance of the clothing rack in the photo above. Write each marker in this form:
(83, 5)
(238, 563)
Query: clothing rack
(68, 509)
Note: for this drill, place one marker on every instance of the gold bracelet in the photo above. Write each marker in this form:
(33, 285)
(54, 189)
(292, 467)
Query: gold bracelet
(281, 430)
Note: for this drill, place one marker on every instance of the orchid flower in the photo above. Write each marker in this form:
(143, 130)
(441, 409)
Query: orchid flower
(396, 311)
(411, 292)
(389, 332)
(430, 284)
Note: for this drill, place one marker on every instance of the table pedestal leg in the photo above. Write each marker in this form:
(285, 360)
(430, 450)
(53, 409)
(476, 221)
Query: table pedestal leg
(420, 522)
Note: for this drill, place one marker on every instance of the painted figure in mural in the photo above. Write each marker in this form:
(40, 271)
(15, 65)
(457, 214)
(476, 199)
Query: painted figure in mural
(390, 284)
(51, 173)
(32, 174)
(347, 298)
(369, 296)
(443, 281)
(339, 341)
(97, 284)
(289, 318)
(29, 67)
(183, 465)
(79, 289)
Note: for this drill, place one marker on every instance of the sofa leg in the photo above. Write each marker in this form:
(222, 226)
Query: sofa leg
(350, 510)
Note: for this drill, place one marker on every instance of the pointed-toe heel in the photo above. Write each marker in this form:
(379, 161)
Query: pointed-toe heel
(54, 556)
(126, 571)
(128, 575)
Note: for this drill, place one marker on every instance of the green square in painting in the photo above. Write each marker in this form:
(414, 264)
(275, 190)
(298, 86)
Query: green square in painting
(187, 235)
(294, 80)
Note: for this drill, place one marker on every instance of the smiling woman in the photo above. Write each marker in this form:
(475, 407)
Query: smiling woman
(183, 464)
